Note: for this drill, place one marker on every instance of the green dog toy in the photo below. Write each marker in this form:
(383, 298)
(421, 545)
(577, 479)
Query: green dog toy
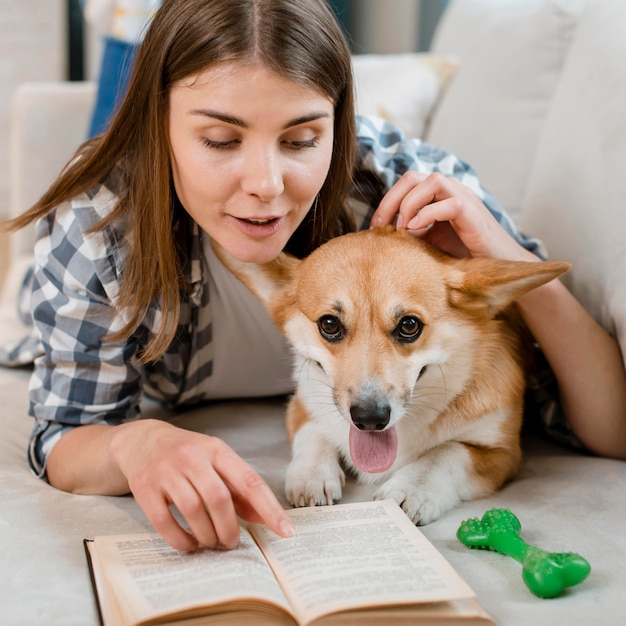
(546, 574)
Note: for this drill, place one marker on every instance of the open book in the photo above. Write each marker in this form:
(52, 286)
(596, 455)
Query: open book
(363, 563)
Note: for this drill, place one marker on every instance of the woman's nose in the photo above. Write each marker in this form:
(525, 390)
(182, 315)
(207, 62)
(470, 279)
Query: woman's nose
(262, 175)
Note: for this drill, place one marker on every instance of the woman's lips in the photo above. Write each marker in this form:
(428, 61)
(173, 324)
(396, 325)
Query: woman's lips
(258, 227)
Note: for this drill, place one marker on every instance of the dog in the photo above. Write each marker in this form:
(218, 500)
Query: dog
(409, 368)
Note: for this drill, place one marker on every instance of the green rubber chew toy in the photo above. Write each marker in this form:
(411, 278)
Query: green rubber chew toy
(546, 574)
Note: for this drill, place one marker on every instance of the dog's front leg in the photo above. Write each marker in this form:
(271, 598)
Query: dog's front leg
(435, 483)
(314, 475)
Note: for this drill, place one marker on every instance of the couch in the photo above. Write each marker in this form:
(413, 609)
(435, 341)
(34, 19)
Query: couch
(532, 93)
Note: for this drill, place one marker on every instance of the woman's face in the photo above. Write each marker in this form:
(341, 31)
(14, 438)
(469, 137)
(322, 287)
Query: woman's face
(250, 150)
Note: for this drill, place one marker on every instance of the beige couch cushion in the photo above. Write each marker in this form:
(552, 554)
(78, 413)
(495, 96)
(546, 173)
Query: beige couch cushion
(576, 199)
(494, 108)
(402, 88)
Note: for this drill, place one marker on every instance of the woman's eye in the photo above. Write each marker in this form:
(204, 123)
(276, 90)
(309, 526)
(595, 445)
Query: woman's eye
(330, 328)
(299, 145)
(408, 329)
(219, 145)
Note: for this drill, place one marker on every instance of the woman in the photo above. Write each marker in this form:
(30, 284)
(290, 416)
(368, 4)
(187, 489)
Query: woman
(237, 125)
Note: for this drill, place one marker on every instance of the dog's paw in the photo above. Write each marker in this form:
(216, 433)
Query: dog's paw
(421, 505)
(314, 486)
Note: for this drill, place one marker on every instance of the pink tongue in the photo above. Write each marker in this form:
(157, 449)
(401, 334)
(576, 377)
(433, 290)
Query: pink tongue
(373, 451)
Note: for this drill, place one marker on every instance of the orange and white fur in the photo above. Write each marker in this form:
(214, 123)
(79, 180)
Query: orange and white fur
(409, 373)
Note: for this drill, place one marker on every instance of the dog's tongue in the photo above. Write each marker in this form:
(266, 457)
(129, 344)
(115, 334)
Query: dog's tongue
(373, 451)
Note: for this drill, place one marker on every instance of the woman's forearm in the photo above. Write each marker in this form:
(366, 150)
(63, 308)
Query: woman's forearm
(81, 462)
(588, 365)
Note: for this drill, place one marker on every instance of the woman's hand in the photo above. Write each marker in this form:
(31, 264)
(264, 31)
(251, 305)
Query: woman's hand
(163, 465)
(205, 479)
(447, 214)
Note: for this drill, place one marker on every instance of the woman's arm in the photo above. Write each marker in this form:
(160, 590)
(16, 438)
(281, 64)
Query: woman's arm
(587, 363)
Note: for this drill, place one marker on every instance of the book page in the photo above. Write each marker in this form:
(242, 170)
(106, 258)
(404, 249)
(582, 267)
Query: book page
(150, 578)
(357, 555)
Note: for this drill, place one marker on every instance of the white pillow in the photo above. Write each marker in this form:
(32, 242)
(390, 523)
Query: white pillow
(510, 57)
(402, 88)
(576, 198)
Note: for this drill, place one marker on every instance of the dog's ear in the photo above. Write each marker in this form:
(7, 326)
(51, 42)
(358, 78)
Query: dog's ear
(268, 281)
(486, 286)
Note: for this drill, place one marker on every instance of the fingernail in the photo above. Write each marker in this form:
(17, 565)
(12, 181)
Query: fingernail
(287, 528)
(413, 224)
(400, 221)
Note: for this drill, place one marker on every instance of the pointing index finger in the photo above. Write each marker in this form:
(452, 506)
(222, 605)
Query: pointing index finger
(253, 498)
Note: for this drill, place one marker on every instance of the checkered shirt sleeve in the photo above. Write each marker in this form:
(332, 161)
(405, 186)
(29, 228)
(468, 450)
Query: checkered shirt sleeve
(78, 378)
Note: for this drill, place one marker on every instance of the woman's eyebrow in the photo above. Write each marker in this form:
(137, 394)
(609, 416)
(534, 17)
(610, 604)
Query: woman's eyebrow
(311, 117)
(227, 119)
(235, 121)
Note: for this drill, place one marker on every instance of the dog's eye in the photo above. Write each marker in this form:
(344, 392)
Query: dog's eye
(330, 328)
(408, 329)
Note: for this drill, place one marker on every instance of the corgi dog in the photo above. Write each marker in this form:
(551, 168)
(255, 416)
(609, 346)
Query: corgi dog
(409, 368)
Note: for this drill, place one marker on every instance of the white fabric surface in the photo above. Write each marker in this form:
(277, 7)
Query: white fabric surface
(510, 57)
(576, 198)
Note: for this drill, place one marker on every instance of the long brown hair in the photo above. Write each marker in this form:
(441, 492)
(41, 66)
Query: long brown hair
(299, 40)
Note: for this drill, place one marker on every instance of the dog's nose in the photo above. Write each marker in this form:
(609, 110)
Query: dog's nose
(371, 416)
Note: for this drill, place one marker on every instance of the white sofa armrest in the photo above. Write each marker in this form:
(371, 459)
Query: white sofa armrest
(49, 120)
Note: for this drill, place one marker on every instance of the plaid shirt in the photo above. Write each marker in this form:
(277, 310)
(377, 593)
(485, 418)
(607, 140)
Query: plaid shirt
(73, 288)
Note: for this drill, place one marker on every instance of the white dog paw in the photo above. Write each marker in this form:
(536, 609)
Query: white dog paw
(314, 486)
(421, 506)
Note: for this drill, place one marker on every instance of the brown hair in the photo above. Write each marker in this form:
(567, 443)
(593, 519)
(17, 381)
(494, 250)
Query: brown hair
(298, 39)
